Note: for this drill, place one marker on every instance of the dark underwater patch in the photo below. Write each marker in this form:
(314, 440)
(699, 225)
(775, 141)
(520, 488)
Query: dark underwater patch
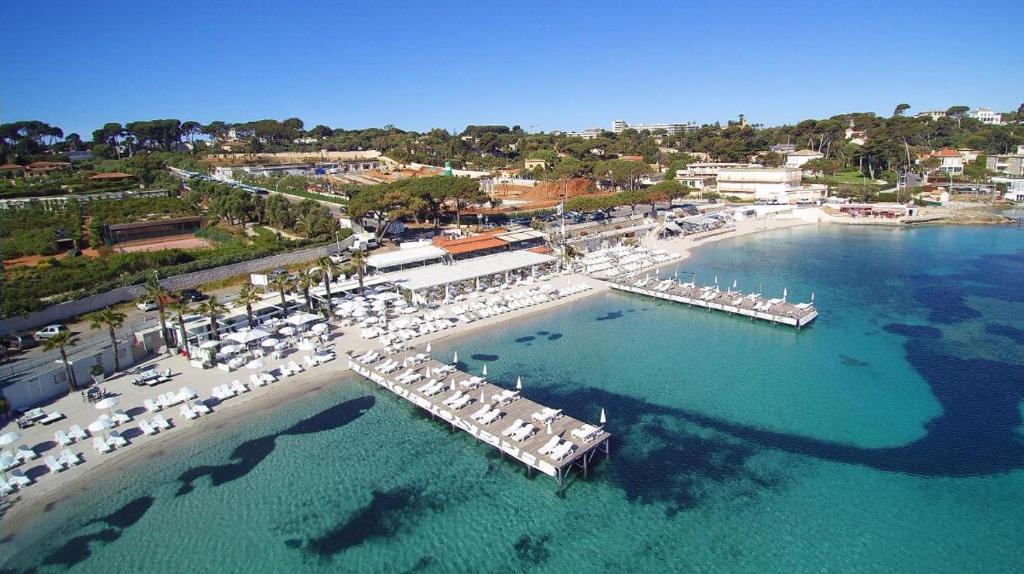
(488, 358)
(853, 361)
(532, 550)
(1014, 334)
(914, 331)
(382, 518)
(611, 315)
(525, 339)
(554, 336)
(79, 548)
(251, 453)
(543, 333)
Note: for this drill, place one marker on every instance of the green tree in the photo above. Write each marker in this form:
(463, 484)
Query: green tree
(248, 295)
(282, 284)
(957, 113)
(111, 321)
(62, 341)
(359, 262)
(156, 293)
(900, 109)
(180, 307)
(327, 269)
(212, 308)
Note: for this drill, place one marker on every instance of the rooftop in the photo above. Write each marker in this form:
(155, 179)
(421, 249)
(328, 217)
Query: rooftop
(437, 275)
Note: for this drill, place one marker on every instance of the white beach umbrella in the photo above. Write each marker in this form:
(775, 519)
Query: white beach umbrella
(485, 369)
(229, 349)
(549, 427)
(452, 386)
(785, 293)
(603, 419)
(100, 425)
(107, 404)
(244, 337)
(320, 328)
(287, 331)
(812, 296)
(209, 344)
(256, 365)
(428, 346)
(270, 342)
(519, 383)
(483, 399)
(716, 279)
(8, 438)
(428, 371)
(455, 359)
(733, 283)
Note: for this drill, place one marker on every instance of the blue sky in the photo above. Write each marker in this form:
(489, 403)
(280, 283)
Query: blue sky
(542, 65)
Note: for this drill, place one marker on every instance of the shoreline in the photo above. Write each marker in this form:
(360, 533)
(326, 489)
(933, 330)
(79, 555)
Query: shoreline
(24, 507)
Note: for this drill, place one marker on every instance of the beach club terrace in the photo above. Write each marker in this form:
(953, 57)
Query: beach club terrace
(711, 297)
(540, 437)
(442, 281)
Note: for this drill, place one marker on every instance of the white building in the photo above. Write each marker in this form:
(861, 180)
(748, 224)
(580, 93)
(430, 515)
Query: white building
(770, 185)
(933, 114)
(712, 168)
(587, 134)
(951, 161)
(800, 157)
(618, 126)
(986, 116)
(1014, 188)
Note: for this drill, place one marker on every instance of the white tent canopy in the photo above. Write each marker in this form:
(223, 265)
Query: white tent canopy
(249, 336)
(437, 275)
(302, 318)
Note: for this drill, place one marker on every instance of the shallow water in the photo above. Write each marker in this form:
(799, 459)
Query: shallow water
(886, 437)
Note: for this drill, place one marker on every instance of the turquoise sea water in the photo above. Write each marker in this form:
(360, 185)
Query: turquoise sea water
(886, 437)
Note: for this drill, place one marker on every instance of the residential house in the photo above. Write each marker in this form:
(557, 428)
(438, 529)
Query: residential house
(950, 161)
(800, 157)
(986, 116)
(1006, 164)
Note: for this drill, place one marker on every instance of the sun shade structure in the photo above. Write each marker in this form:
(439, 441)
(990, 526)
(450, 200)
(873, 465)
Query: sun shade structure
(438, 275)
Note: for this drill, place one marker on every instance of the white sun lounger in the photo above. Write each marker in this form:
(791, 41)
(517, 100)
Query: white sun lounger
(547, 415)
(5, 489)
(524, 432)
(152, 406)
(69, 458)
(458, 395)
(187, 412)
(77, 433)
(25, 453)
(101, 445)
(563, 450)
(550, 445)
(19, 479)
(462, 402)
(201, 408)
(161, 423)
(586, 433)
(256, 381)
(121, 418)
(479, 413)
(505, 397)
(268, 378)
(53, 465)
(491, 416)
(63, 438)
(146, 428)
(117, 440)
(238, 387)
(295, 367)
(512, 428)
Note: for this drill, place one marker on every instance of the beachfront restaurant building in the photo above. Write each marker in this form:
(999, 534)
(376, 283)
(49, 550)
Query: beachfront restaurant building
(408, 254)
(439, 282)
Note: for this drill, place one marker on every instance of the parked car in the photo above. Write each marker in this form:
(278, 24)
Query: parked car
(192, 295)
(50, 331)
(525, 221)
(17, 343)
(341, 258)
(147, 305)
(597, 216)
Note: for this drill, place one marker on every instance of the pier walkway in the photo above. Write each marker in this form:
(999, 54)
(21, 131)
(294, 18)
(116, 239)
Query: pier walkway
(542, 438)
(712, 298)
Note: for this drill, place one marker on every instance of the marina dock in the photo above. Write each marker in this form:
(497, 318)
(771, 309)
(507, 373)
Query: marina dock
(776, 311)
(555, 445)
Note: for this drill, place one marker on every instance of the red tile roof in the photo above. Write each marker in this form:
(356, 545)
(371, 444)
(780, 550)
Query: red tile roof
(946, 153)
(470, 244)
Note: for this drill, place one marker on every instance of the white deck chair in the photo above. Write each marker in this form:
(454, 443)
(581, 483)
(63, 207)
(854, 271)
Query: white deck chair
(63, 438)
(152, 406)
(146, 428)
(512, 428)
(19, 479)
(117, 440)
(77, 433)
(70, 458)
(238, 388)
(187, 412)
(161, 423)
(53, 464)
(550, 445)
(26, 453)
(101, 445)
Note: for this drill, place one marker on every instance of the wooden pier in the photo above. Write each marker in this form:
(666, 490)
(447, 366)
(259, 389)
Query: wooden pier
(586, 440)
(775, 311)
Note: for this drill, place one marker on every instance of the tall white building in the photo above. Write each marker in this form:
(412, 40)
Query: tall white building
(618, 126)
(768, 184)
(986, 116)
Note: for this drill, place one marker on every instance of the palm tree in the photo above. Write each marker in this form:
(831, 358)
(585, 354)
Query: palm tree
(306, 280)
(246, 297)
(328, 270)
(161, 297)
(110, 320)
(211, 308)
(62, 341)
(359, 261)
(282, 284)
(180, 307)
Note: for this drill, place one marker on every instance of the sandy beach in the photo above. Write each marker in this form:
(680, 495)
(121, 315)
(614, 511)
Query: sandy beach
(51, 489)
